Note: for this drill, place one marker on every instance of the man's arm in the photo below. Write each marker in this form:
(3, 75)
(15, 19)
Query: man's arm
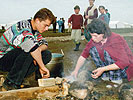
(43, 47)
(38, 58)
(70, 20)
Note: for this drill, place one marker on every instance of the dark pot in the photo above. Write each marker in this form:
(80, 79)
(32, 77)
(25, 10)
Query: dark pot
(55, 66)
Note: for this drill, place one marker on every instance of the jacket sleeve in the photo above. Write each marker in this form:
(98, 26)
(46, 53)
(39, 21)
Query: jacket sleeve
(119, 53)
(85, 52)
(81, 21)
(70, 19)
(26, 41)
(41, 40)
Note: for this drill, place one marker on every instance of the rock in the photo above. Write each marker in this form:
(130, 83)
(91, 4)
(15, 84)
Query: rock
(126, 92)
(90, 85)
(58, 80)
(65, 87)
(47, 95)
(79, 93)
(108, 86)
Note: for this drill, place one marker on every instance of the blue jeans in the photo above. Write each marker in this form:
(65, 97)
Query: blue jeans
(60, 29)
(19, 64)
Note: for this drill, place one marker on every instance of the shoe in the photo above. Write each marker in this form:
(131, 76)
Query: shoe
(77, 47)
(7, 85)
(117, 81)
(105, 78)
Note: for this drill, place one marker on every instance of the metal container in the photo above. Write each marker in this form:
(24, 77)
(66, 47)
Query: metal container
(55, 66)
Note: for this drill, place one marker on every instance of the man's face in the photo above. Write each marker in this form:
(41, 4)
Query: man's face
(91, 2)
(42, 26)
(101, 10)
(76, 11)
(97, 37)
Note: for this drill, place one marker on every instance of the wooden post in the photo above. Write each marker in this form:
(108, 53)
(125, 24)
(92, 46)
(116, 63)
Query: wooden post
(30, 93)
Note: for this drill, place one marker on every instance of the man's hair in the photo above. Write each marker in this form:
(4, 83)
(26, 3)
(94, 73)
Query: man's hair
(100, 27)
(44, 14)
(76, 7)
(101, 7)
(94, 0)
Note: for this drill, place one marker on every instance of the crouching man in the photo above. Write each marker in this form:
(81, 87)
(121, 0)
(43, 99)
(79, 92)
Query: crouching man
(23, 50)
(110, 53)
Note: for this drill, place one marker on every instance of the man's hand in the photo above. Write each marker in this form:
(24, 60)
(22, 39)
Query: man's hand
(98, 72)
(35, 63)
(44, 72)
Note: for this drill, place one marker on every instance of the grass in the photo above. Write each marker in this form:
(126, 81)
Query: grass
(49, 33)
(122, 30)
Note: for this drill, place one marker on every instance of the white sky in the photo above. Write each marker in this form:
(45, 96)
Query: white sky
(12, 10)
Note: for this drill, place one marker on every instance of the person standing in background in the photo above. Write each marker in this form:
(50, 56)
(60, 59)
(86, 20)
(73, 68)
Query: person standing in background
(60, 22)
(63, 26)
(77, 23)
(54, 26)
(90, 13)
(108, 15)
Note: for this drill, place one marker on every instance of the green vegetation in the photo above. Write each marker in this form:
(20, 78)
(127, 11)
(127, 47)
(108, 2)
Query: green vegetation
(48, 33)
(51, 34)
(122, 30)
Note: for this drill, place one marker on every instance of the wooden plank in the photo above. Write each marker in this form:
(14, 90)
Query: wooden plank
(46, 82)
(30, 93)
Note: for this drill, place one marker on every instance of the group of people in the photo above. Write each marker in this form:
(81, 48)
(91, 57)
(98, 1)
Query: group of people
(61, 24)
(78, 25)
(25, 50)
(109, 51)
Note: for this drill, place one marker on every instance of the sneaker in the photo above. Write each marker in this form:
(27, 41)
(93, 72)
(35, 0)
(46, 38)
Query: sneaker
(117, 81)
(7, 85)
(76, 49)
(105, 78)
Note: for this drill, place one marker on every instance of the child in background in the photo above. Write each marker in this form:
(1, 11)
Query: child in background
(77, 23)
(103, 16)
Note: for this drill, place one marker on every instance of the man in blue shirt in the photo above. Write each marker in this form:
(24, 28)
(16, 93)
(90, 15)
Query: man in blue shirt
(60, 22)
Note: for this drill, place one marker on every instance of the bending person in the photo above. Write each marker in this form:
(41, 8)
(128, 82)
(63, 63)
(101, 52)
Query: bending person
(110, 53)
(23, 50)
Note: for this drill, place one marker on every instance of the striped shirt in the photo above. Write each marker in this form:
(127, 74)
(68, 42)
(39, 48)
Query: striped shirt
(20, 35)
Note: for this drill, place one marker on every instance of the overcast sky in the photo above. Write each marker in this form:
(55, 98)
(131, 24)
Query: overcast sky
(12, 10)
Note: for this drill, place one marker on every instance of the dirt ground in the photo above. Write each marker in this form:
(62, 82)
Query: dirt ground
(70, 56)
